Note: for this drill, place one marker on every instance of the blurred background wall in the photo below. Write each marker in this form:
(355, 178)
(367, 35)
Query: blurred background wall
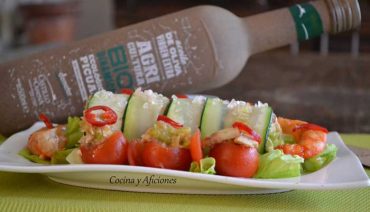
(96, 16)
(325, 80)
(52, 22)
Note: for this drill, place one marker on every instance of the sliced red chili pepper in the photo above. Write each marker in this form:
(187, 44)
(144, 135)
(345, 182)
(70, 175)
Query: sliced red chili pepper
(181, 96)
(169, 121)
(127, 91)
(46, 120)
(309, 126)
(243, 127)
(100, 116)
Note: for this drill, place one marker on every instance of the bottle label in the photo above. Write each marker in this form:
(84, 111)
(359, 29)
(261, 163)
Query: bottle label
(307, 21)
(168, 54)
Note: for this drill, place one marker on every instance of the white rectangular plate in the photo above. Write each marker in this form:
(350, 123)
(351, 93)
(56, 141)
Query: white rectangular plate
(344, 172)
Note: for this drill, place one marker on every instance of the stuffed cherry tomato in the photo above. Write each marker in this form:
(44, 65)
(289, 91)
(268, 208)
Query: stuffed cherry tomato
(158, 155)
(235, 160)
(112, 150)
(134, 153)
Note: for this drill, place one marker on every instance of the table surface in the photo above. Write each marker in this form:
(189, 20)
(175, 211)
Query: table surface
(35, 192)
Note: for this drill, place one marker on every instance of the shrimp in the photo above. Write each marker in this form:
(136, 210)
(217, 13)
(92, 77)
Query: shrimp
(45, 142)
(220, 136)
(310, 139)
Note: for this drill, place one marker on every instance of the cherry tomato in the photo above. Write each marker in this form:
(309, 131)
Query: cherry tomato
(113, 150)
(196, 147)
(158, 155)
(134, 153)
(235, 160)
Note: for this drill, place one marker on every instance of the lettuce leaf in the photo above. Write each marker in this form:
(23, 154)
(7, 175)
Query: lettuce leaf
(75, 157)
(34, 158)
(60, 157)
(275, 164)
(274, 139)
(321, 160)
(205, 166)
(73, 132)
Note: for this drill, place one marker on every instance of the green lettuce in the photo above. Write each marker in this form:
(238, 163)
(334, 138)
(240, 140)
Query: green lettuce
(60, 157)
(2, 139)
(34, 158)
(275, 164)
(73, 132)
(74, 157)
(288, 139)
(321, 160)
(205, 166)
(275, 137)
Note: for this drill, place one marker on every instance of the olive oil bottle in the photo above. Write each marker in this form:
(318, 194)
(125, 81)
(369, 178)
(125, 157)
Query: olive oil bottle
(188, 51)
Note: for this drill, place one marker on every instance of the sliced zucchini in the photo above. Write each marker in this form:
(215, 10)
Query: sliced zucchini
(142, 111)
(237, 111)
(261, 119)
(116, 102)
(187, 112)
(257, 117)
(213, 116)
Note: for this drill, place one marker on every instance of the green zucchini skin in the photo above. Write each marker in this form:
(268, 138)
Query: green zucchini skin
(139, 111)
(258, 117)
(142, 111)
(213, 116)
(187, 112)
(116, 102)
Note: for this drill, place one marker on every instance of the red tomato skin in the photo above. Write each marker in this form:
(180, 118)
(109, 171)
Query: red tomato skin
(157, 155)
(113, 150)
(235, 160)
(135, 152)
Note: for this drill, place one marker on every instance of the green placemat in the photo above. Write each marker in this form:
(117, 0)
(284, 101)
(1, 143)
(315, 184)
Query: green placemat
(35, 192)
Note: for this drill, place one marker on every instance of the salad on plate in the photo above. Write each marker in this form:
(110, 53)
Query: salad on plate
(189, 133)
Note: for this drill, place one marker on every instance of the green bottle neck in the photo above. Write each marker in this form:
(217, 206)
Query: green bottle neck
(288, 25)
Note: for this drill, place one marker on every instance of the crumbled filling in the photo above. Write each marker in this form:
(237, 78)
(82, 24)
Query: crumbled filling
(171, 136)
(199, 99)
(260, 104)
(94, 135)
(151, 97)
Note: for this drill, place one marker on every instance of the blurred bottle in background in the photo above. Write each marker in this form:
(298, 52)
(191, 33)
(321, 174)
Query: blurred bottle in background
(49, 21)
(7, 8)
